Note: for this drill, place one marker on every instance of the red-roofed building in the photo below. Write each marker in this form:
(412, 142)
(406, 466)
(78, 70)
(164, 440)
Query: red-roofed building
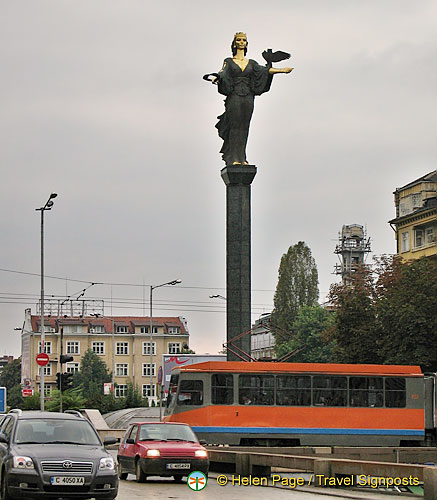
(127, 336)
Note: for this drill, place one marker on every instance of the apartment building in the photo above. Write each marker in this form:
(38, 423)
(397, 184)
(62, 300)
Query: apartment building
(122, 342)
(416, 218)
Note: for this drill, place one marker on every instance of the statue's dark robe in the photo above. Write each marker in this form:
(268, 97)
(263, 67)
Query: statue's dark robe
(240, 89)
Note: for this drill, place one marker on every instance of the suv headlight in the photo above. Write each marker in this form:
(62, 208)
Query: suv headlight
(107, 463)
(22, 463)
(201, 454)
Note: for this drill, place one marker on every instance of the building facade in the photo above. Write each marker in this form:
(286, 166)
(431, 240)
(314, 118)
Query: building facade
(122, 342)
(415, 224)
(262, 339)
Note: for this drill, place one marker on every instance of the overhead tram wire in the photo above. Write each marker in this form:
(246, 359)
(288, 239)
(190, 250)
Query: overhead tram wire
(90, 282)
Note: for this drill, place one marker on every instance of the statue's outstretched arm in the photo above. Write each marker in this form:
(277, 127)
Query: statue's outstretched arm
(273, 71)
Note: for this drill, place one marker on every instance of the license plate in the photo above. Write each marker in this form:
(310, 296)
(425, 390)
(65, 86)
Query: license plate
(178, 466)
(67, 481)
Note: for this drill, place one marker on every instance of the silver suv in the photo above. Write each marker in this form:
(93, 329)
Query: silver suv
(54, 455)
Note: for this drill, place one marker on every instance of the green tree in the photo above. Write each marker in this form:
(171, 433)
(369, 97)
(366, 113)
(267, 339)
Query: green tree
(355, 331)
(72, 399)
(406, 311)
(310, 336)
(134, 399)
(297, 286)
(10, 377)
(90, 378)
(32, 402)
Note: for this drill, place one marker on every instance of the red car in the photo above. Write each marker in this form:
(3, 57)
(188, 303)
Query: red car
(161, 449)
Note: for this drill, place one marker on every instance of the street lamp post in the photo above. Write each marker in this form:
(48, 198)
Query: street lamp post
(174, 282)
(97, 315)
(47, 206)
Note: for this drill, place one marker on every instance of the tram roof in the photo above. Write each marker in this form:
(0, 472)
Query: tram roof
(263, 367)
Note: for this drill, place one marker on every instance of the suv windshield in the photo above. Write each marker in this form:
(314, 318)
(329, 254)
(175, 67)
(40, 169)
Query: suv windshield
(66, 431)
(166, 432)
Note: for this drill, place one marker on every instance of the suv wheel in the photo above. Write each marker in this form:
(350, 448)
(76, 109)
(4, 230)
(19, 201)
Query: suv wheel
(4, 488)
(141, 477)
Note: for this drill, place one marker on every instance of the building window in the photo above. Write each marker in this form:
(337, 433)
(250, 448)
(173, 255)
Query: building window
(122, 348)
(97, 329)
(47, 369)
(72, 367)
(121, 329)
(47, 347)
(429, 235)
(47, 390)
(174, 329)
(146, 348)
(73, 328)
(405, 242)
(98, 347)
(174, 347)
(418, 238)
(121, 369)
(146, 391)
(146, 370)
(72, 347)
(121, 390)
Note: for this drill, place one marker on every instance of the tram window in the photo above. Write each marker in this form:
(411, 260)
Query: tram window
(172, 390)
(329, 391)
(293, 390)
(222, 386)
(366, 392)
(395, 396)
(191, 393)
(257, 389)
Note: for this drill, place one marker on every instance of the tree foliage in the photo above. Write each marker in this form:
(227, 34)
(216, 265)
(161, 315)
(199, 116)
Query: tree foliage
(406, 312)
(310, 336)
(388, 314)
(10, 377)
(297, 287)
(355, 332)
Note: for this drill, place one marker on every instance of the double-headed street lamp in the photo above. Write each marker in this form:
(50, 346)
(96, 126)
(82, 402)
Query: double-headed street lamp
(47, 206)
(171, 283)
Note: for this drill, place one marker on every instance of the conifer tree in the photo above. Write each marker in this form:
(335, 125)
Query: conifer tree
(297, 287)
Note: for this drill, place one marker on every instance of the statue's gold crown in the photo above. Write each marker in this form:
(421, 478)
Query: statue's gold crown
(240, 33)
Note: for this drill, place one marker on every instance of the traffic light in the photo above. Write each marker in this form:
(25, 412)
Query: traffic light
(65, 358)
(59, 380)
(66, 381)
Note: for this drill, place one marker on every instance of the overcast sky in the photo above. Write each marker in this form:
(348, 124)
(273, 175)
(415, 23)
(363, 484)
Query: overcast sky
(103, 102)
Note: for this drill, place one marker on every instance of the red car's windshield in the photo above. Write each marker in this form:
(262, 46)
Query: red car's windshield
(166, 432)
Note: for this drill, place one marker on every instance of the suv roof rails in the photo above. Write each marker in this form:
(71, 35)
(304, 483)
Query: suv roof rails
(74, 412)
(16, 410)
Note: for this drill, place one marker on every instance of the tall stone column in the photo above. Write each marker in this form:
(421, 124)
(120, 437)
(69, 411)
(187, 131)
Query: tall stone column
(238, 179)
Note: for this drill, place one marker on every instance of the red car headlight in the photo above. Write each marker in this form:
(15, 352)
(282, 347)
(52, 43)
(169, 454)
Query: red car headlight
(201, 454)
(153, 453)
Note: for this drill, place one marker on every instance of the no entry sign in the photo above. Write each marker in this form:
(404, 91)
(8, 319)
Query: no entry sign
(42, 359)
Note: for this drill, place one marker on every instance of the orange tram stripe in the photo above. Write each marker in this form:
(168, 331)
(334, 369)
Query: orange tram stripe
(303, 417)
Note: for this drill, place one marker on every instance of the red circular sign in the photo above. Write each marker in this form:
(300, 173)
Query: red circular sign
(42, 359)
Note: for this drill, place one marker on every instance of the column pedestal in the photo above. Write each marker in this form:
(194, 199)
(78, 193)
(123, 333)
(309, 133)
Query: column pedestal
(238, 179)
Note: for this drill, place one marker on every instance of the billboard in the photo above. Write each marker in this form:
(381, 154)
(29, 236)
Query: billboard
(169, 361)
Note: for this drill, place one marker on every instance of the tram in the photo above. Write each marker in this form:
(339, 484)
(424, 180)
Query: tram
(304, 404)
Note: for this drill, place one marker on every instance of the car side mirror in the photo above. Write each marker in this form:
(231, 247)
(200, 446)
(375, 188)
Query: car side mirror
(3, 438)
(130, 441)
(203, 442)
(109, 440)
